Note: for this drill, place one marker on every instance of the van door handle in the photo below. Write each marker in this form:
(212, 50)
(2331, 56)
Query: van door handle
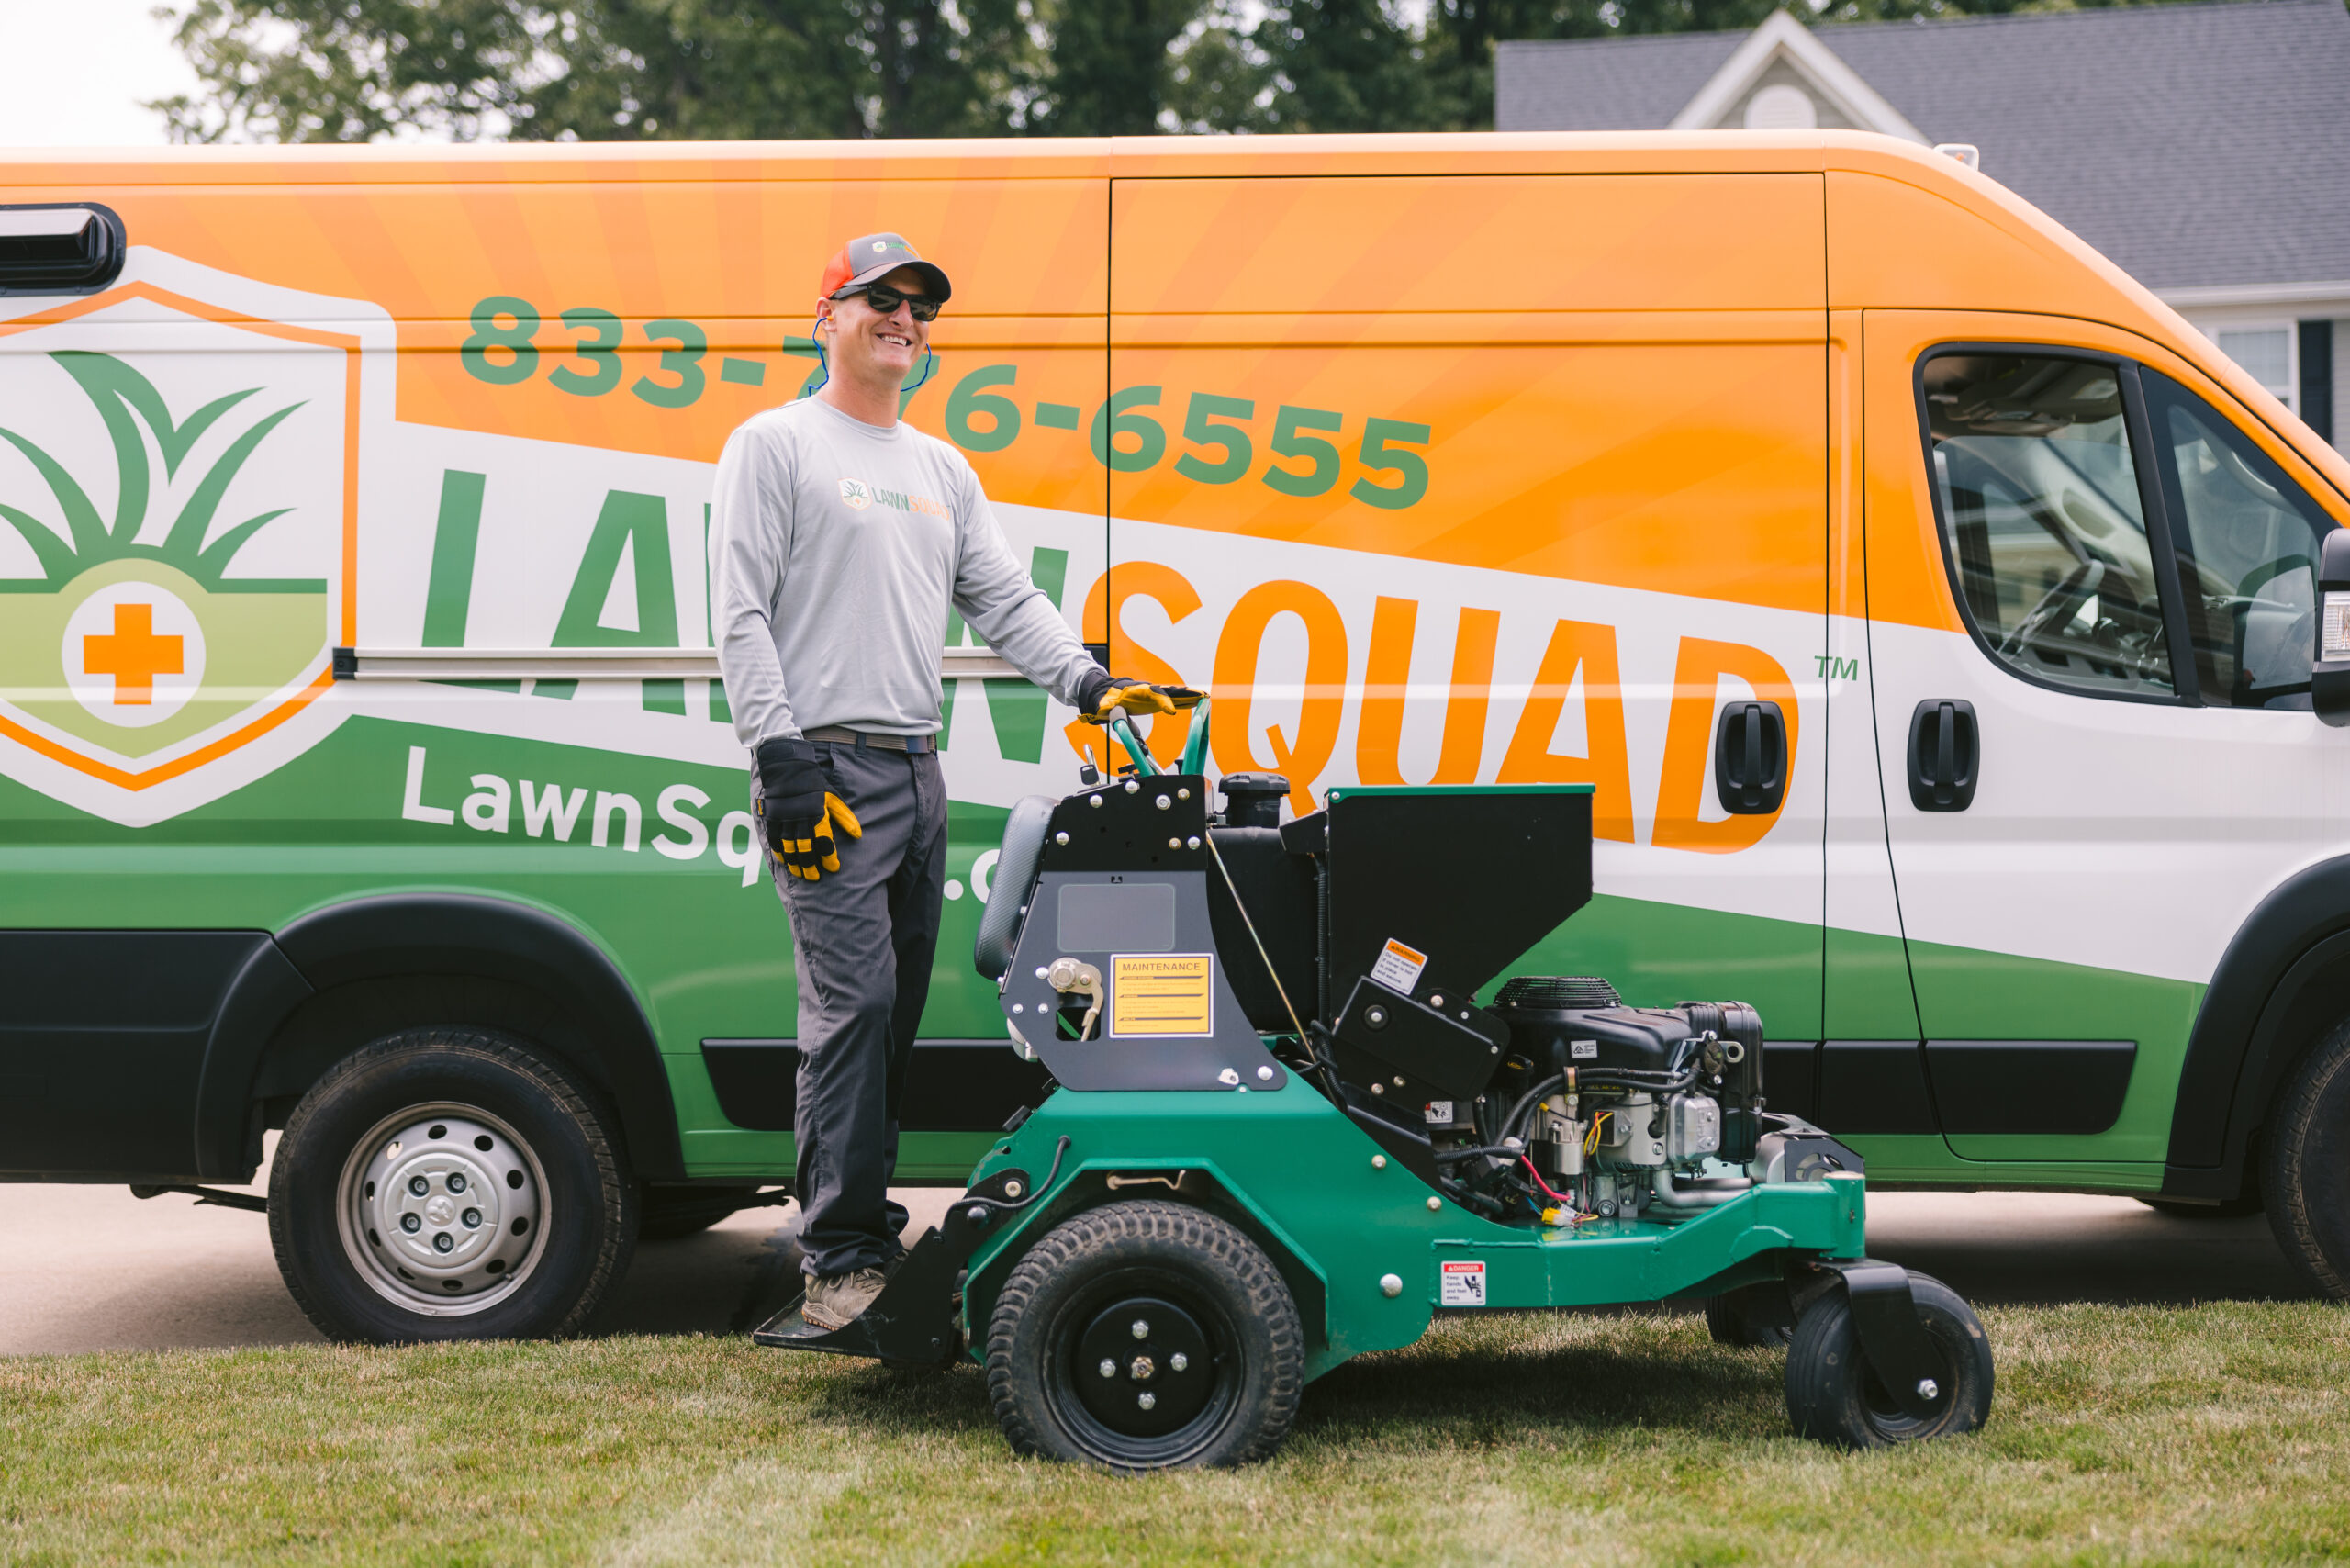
(1945, 755)
(1751, 758)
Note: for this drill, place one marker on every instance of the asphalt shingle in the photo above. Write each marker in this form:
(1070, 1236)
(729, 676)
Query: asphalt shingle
(2194, 144)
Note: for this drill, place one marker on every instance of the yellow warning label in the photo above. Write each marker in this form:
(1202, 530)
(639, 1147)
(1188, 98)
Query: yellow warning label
(1162, 993)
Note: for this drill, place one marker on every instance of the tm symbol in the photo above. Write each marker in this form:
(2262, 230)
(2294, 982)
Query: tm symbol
(1834, 668)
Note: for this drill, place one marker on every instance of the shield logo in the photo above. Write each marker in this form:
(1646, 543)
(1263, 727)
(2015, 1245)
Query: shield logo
(855, 495)
(178, 491)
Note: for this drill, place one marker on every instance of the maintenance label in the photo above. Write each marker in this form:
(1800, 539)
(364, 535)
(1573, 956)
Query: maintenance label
(1162, 993)
(1460, 1284)
(1399, 966)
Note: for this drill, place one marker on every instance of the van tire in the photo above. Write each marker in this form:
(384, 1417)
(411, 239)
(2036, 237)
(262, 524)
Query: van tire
(498, 1165)
(2304, 1181)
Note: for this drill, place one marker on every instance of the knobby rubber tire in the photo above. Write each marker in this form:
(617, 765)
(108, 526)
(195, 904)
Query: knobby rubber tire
(1227, 1274)
(2303, 1182)
(1833, 1397)
(591, 1206)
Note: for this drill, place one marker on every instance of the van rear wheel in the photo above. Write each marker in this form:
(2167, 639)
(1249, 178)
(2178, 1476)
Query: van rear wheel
(449, 1184)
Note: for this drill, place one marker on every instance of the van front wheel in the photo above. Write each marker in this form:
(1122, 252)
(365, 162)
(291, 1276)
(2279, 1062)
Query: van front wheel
(450, 1184)
(2304, 1180)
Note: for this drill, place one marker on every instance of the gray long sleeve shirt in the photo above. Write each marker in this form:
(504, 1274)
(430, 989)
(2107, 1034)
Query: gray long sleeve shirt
(835, 550)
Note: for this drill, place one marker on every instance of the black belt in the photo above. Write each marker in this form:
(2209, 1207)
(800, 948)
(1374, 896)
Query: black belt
(839, 735)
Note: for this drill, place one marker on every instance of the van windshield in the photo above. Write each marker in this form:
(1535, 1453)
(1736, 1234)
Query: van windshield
(2041, 520)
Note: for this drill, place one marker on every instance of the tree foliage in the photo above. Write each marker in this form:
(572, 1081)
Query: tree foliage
(638, 69)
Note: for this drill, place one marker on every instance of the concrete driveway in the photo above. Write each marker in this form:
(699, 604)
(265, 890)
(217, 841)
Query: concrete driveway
(95, 1269)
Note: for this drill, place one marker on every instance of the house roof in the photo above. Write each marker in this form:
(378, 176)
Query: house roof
(2193, 144)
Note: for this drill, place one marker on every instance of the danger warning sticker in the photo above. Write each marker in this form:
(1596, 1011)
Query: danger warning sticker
(1399, 966)
(1462, 1285)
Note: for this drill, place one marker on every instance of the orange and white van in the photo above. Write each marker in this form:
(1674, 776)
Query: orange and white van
(1932, 609)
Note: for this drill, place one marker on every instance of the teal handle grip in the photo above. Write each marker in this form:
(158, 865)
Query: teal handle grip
(1122, 730)
(1195, 750)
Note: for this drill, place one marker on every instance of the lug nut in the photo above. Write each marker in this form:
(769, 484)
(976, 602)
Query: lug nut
(1142, 1329)
(1177, 1362)
(1929, 1389)
(419, 1185)
(1146, 1400)
(457, 1180)
(410, 1224)
(1109, 1367)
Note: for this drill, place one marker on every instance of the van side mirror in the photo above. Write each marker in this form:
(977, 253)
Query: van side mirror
(2330, 674)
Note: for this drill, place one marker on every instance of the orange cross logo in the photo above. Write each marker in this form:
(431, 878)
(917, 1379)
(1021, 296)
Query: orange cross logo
(134, 654)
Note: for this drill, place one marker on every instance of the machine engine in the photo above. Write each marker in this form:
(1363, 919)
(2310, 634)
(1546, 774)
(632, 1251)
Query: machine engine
(1607, 1108)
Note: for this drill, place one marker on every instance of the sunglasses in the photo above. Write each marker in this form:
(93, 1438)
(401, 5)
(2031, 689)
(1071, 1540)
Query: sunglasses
(887, 300)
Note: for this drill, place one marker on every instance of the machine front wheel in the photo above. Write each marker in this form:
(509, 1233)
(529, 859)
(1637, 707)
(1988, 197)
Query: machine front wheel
(1834, 1396)
(1146, 1336)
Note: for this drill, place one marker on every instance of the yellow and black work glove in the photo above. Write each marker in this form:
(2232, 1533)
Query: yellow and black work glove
(1112, 696)
(796, 813)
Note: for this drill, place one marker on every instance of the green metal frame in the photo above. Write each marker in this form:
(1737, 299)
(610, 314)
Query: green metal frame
(1339, 1217)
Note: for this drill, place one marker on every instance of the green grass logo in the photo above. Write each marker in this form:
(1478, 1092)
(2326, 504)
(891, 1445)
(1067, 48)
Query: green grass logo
(120, 392)
(135, 642)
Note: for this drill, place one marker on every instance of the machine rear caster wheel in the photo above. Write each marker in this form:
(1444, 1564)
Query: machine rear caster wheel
(1835, 1396)
(1146, 1336)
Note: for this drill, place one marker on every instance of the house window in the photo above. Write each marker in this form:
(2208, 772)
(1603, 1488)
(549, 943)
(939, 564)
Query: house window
(2266, 354)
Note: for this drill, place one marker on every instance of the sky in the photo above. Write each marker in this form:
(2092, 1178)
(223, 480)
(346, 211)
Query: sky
(73, 73)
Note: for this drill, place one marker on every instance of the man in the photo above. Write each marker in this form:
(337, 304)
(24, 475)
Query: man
(842, 536)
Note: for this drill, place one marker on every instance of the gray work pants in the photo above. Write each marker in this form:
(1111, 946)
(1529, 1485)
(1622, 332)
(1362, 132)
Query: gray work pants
(863, 938)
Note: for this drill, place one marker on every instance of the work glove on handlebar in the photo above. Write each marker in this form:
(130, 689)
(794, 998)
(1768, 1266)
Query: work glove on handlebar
(1108, 697)
(796, 813)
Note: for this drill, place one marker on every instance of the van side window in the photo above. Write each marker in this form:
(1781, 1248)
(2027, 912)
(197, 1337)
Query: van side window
(2247, 539)
(59, 248)
(2042, 523)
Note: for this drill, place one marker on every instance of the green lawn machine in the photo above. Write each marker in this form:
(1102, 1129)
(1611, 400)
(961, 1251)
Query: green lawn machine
(1281, 1130)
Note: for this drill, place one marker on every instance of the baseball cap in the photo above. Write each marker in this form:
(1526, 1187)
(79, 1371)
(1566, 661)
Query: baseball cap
(870, 257)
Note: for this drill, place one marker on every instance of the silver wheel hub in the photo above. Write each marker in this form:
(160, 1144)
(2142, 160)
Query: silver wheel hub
(441, 1209)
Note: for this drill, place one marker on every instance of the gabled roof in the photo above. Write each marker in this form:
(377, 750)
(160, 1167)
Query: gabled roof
(1783, 42)
(2193, 144)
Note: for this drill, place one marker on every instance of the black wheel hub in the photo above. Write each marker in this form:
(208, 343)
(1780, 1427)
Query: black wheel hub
(1143, 1367)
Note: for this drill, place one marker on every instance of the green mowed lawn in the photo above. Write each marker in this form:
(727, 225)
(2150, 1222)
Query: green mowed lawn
(2215, 1433)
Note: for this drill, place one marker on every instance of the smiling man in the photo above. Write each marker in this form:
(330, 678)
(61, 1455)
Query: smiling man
(841, 537)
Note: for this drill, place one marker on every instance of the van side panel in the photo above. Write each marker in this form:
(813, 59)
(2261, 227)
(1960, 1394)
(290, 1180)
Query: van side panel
(1515, 482)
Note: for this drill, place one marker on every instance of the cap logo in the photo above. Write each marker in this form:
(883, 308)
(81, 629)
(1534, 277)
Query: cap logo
(880, 244)
(855, 495)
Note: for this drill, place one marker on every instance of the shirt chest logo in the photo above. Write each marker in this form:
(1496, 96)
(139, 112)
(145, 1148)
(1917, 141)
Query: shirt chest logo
(857, 495)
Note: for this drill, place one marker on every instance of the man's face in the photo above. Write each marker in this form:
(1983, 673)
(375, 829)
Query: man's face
(866, 339)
